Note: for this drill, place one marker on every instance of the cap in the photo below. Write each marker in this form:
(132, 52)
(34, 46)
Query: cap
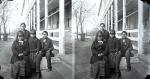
(33, 32)
(112, 32)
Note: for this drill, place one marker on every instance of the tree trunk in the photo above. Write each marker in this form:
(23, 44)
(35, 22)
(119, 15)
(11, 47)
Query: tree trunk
(77, 33)
(5, 35)
(77, 28)
(4, 28)
(82, 34)
(0, 32)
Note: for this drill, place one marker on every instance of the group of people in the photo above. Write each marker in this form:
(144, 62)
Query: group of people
(28, 51)
(107, 51)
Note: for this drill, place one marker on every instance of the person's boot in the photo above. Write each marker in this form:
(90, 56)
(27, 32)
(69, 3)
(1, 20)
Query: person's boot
(49, 69)
(129, 68)
(38, 75)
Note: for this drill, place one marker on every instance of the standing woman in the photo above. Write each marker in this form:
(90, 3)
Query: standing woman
(34, 46)
(19, 57)
(99, 57)
(113, 49)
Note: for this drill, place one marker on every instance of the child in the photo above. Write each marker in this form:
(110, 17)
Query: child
(19, 57)
(34, 45)
(46, 50)
(113, 49)
(98, 59)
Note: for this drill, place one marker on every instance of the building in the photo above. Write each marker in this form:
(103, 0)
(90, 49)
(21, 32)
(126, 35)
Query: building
(53, 16)
(132, 16)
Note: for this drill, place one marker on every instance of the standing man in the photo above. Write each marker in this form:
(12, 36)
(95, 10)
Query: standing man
(105, 33)
(25, 32)
(125, 49)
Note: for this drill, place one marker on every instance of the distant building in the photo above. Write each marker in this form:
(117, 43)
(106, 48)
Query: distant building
(132, 16)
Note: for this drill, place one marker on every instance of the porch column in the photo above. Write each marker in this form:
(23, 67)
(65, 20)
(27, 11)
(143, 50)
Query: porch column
(34, 17)
(140, 27)
(61, 26)
(46, 14)
(108, 20)
(111, 12)
(38, 15)
(124, 15)
(116, 14)
(29, 20)
(149, 18)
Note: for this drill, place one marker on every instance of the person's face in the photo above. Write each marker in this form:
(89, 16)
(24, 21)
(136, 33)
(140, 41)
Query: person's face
(44, 35)
(22, 27)
(99, 38)
(112, 35)
(124, 35)
(101, 27)
(32, 35)
(20, 38)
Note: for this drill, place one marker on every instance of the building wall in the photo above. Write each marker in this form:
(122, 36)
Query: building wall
(114, 19)
(49, 18)
(132, 16)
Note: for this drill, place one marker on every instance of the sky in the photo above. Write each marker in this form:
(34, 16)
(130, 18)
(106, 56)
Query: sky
(92, 21)
(14, 15)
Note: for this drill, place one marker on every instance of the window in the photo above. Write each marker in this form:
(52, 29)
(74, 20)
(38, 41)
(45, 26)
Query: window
(120, 14)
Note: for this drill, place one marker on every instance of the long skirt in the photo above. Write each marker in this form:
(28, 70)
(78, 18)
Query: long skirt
(113, 59)
(98, 69)
(21, 68)
(32, 58)
(18, 69)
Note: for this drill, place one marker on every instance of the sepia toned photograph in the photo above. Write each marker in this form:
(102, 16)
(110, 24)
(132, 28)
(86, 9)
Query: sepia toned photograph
(74, 39)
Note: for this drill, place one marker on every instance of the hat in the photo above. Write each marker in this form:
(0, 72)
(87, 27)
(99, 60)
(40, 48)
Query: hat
(112, 32)
(33, 32)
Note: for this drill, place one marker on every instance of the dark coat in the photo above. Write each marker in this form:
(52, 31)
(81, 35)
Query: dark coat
(34, 47)
(125, 46)
(18, 66)
(34, 44)
(105, 34)
(113, 48)
(16, 49)
(97, 49)
(26, 35)
(47, 45)
(113, 45)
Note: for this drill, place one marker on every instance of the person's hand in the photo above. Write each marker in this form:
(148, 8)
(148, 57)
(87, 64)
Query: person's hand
(39, 52)
(48, 51)
(20, 54)
(118, 52)
(100, 54)
(51, 49)
(100, 42)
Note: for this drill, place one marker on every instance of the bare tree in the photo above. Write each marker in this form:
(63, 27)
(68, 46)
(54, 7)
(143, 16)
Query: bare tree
(4, 17)
(75, 10)
(81, 12)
